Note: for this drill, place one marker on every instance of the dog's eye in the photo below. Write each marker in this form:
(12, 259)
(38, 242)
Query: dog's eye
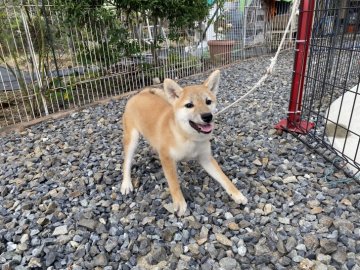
(189, 105)
(208, 102)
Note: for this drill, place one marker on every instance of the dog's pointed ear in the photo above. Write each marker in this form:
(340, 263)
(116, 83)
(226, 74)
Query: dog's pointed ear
(213, 81)
(172, 90)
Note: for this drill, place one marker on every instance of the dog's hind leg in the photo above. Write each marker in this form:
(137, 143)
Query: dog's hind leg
(131, 139)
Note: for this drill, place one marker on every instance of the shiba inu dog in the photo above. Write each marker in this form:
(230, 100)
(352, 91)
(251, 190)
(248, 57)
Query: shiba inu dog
(178, 123)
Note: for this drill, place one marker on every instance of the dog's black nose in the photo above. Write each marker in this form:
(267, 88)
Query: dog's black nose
(206, 117)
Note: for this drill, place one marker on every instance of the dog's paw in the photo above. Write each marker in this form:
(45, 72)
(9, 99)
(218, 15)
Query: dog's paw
(180, 207)
(126, 187)
(239, 198)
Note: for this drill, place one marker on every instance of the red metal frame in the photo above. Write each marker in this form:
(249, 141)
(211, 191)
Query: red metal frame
(293, 121)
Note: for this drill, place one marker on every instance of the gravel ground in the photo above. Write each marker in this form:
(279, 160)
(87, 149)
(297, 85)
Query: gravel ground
(61, 208)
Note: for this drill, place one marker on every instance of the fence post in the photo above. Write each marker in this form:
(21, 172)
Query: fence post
(293, 122)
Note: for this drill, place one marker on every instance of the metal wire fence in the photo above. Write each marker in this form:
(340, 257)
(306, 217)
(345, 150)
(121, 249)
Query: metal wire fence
(332, 84)
(51, 62)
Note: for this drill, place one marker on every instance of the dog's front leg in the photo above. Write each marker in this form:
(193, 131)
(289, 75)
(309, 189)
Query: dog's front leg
(212, 167)
(169, 167)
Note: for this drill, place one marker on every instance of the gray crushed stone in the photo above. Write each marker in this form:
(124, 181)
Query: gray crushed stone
(61, 206)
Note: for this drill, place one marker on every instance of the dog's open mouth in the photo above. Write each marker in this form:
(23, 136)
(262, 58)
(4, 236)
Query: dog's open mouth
(202, 128)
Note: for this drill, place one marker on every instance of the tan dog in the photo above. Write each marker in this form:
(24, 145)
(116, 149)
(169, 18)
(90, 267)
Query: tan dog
(178, 124)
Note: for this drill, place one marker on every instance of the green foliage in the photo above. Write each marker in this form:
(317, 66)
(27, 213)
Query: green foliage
(150, 71)
(176, 60)
(12, 33)
(108, 50)
(61, 97)
(186, 12)
(79, 12)
(179, 13)
(104, 36)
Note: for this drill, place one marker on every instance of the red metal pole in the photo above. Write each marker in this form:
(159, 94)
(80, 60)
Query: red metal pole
(293, 121)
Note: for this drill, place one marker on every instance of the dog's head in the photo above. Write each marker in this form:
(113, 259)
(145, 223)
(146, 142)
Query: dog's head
(194, 106)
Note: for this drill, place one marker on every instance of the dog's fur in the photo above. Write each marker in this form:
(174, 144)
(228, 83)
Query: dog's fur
(177, 131)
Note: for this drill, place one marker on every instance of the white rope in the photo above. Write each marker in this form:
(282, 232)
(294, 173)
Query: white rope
(273, 60)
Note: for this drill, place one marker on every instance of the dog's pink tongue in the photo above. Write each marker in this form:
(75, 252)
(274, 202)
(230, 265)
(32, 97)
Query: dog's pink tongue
(206, 127)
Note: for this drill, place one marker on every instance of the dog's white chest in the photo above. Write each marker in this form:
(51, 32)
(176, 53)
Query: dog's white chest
(189, 150)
